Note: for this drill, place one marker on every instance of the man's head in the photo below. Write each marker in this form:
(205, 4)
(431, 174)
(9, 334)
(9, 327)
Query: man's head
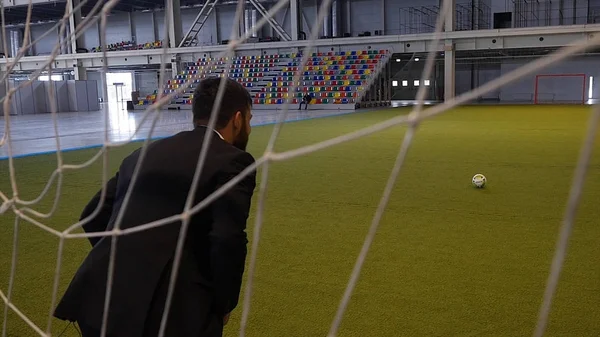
(233, 116)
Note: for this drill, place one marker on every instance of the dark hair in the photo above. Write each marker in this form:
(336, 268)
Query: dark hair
(235, 98)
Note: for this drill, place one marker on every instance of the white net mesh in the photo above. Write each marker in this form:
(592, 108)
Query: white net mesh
(25, 211)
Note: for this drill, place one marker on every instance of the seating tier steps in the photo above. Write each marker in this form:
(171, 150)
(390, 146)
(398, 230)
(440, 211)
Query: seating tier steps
(331, 78)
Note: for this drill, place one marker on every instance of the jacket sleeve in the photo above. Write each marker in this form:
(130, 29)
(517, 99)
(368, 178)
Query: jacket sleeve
(101, 220)
(228, 237)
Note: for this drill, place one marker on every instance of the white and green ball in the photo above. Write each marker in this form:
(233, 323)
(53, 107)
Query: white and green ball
(479, 180)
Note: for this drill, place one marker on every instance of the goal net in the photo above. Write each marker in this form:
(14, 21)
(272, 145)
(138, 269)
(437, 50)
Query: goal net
(29, 213)
(560, 89)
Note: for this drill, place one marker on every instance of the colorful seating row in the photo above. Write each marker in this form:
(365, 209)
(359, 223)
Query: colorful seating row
(150, 99)
(191, 73)
(314, 89)
(314, 83)
(259, 57)
(128, 45)
(244, 66)
(232, 75)
(328, 77)
(321, 78)
(354, 52)
(334, 77)
(331, 78)
(297, 101)
(301, 94)
(252, 62)
(201, 65)
(333, 63)
(339, 72)
(247, 75)
(253, 70)
(247, 79)
(341, 58)
(332, 67)
(341, 62)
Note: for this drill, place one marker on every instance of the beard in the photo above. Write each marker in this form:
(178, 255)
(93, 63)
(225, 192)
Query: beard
(241, 141)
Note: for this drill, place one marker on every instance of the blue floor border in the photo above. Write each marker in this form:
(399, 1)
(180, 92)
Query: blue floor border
(139, 140)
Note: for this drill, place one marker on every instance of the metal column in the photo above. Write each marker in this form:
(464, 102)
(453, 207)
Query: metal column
(74, 21)
(217, 28)
(295, 19)
(450, 20)
(253, 22)
(383, 16)
(449, 70)
(326, 23)
(173, 12)
(155, 27)
(247, 22)
(449, 57)
(104, 85)
(348, 11)
(336, 18)
(388, 84)
(132, 27)
(99, 33)
(16, 38)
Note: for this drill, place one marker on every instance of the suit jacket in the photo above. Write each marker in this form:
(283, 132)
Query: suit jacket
(212, 264)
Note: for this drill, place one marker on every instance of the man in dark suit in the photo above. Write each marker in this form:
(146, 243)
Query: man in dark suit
(212, 264)
(306, 101)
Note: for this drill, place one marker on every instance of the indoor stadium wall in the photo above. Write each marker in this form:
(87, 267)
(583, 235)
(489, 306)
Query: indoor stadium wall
(96, 76)
(475, 73)
(469, 77)
(144, 28)
(558, 89)
(364, 16)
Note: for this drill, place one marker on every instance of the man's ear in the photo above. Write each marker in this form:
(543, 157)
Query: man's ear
(238, 120)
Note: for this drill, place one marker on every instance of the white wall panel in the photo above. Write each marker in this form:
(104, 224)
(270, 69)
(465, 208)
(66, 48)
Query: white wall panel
(117, 29)
(144, 30)
(46, 43)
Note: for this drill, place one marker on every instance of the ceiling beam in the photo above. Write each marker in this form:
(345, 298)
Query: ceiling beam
(17, 3)
(516, 38)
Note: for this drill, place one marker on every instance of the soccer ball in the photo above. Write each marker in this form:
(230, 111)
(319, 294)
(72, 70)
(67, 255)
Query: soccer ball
(479, 180)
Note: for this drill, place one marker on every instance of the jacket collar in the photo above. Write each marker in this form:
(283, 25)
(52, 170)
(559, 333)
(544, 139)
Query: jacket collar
(207, 128)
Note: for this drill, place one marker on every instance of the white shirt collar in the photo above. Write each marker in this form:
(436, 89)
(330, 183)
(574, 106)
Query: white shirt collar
(217, 132)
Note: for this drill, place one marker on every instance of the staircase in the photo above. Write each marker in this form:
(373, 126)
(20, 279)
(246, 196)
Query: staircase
(190, 38)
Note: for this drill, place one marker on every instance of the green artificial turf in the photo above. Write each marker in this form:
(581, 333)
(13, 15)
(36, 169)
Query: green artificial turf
(448, 259)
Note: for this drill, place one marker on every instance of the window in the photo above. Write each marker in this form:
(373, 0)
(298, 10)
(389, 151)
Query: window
(416, 83)
(426, 83)
(404, 83)
(46, 78)
(394, 83)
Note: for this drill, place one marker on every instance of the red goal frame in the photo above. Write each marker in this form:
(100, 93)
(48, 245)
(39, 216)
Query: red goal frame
(537, 78)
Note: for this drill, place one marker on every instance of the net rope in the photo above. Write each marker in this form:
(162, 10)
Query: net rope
(25, 213)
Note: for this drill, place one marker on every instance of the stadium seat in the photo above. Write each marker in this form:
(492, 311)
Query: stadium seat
(332, 77)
